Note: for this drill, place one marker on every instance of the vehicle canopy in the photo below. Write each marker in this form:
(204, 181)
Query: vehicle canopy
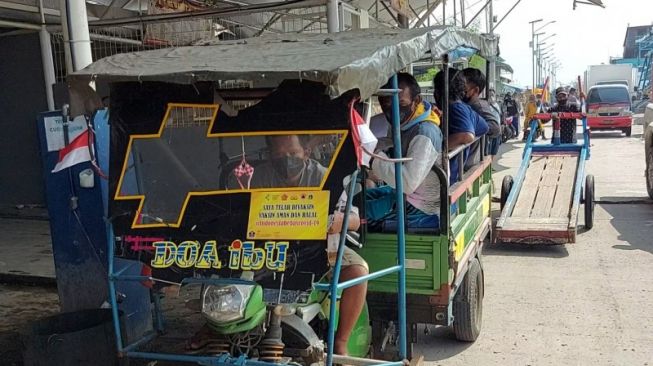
(183, 169)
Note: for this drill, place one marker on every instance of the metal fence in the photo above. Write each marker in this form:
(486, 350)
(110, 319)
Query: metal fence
(111, 40)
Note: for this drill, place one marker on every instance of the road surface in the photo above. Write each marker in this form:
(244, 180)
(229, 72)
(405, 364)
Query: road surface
(582, 304)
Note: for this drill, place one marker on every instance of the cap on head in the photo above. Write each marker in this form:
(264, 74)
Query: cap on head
(561, 90)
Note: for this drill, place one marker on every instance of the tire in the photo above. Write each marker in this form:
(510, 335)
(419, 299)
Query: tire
(468, 304)
(649, 173)
(506, 187)
(589, 202)
(505, 134)
(628, 131)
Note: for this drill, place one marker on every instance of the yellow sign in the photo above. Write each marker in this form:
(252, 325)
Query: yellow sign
(292, 215)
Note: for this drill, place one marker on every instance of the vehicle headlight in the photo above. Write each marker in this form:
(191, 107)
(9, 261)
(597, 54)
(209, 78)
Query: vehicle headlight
(223, 304)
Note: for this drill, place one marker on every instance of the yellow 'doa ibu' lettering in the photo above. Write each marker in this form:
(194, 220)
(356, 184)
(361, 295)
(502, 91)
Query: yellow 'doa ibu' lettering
(242, 255)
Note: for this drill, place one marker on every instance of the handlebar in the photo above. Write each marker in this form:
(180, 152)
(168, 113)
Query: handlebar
(384, 158)
(561, 115)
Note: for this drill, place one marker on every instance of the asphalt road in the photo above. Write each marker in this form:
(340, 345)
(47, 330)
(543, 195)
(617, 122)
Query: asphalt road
(587, 303)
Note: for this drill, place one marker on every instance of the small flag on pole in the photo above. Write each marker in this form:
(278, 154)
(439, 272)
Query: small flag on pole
(78, 151)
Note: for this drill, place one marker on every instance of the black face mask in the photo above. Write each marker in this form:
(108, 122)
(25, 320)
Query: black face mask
(562, 101)
(288, 166)
(405, 112)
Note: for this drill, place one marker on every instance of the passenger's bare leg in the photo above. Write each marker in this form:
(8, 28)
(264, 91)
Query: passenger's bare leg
(351, 305)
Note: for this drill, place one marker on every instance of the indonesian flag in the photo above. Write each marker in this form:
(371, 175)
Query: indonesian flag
(364, 139)
(545, 90)
(78, 151)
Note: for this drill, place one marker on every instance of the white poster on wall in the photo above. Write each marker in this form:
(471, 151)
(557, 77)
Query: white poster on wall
(54, 131)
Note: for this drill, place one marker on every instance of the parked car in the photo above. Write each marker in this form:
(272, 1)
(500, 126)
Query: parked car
(609, 108)
(648, 148)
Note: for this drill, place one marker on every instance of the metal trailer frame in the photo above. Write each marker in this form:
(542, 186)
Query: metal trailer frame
(131, 350)
(539, 231)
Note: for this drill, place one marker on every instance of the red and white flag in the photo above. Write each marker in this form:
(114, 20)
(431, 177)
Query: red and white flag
(78, 151)
(364, 139)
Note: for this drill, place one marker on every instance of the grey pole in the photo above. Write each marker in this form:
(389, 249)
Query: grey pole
(47, 60)
(76, 35)
(333, 21)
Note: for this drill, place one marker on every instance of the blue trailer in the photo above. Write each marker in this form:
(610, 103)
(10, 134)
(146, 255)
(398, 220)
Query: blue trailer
(541, 204)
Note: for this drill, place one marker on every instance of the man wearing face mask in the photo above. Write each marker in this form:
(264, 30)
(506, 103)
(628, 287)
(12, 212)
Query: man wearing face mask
(464, 123)
(421, 140)
(474, 86)
(289, 165)
(567, 126)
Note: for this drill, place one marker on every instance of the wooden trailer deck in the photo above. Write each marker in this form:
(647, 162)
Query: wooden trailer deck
(543, 211)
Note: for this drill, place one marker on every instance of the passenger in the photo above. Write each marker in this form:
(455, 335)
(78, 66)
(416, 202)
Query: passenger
(464, 124)
(421, 140)
(474, 86)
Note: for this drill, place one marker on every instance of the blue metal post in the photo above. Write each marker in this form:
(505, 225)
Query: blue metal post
(586, 137)
(401, 250)
(112, 287)
(333, 291)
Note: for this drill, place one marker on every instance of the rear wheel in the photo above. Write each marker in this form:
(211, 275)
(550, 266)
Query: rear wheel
(468, 304)
(628, 131)
(506, 187)
(589, 202)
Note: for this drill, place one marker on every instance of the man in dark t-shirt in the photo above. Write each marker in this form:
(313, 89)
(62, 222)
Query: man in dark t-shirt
(567, 126)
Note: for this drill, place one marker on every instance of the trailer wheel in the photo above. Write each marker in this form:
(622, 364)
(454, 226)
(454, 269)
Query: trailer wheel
(589, 201)
(649, 173)
(628, 131)
(506, 187)
(468, 304)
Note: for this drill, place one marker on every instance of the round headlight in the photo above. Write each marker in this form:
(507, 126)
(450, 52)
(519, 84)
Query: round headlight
(222, 304)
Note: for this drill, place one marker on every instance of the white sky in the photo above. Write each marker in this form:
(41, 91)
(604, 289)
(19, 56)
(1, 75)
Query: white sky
(586, 36)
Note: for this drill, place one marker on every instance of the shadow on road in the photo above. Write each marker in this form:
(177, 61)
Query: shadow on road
(607, 135)
(526, 250)
(440, 344)
(634, 223)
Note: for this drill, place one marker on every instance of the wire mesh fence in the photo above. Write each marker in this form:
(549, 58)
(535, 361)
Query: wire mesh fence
(111, 40)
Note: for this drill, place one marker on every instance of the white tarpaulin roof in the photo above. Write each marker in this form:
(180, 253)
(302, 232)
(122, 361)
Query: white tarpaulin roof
(343, 61)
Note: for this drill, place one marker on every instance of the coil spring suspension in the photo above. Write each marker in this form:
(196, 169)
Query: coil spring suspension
(270, 352)
(217, 347)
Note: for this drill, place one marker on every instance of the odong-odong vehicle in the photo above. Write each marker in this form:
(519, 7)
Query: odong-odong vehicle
(191, 175)
(609, 108)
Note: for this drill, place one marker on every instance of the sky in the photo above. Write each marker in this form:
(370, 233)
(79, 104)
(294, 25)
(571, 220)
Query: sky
(586, 36)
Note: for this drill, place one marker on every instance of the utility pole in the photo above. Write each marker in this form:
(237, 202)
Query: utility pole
(493, 69)
(532, 23)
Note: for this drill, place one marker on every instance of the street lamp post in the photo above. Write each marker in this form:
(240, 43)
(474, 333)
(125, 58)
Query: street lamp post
(532, 23)
(535, 46)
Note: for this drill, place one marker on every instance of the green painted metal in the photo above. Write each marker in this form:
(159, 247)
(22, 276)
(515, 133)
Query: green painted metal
(380, 251)
(361, 336)
(437, 252)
